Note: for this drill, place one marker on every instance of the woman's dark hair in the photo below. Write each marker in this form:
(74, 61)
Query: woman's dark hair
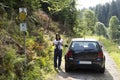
(58, 35)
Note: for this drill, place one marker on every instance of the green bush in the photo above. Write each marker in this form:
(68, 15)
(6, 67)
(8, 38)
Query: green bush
(9, 61)
(38, 69)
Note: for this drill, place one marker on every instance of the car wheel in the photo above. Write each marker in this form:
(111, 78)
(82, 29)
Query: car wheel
(67, 68)
(102, 70)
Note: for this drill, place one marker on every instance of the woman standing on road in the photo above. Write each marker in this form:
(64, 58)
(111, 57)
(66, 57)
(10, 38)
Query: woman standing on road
(58, 43)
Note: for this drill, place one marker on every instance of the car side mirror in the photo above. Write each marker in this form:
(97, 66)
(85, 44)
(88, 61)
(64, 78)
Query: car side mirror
(66, 45)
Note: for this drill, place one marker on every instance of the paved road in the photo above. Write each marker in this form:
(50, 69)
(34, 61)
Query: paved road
(111, 73)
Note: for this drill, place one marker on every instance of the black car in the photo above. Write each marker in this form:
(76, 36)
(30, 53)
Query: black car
(85, 53)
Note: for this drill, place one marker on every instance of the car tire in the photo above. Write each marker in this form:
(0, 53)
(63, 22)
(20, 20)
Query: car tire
(102, 70)
(67, 68)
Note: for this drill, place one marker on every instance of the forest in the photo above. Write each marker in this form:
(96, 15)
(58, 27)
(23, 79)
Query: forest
(45, 18)
(101, 20)
(104, 12)
(109, 15)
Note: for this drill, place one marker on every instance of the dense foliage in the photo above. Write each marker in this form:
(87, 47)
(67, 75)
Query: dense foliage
(100, 29)
(114, 28)
(109, 15)
(85, 23)
(106, 11)
(38, 62)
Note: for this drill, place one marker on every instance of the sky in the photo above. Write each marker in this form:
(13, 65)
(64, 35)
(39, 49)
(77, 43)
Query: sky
(89, 3)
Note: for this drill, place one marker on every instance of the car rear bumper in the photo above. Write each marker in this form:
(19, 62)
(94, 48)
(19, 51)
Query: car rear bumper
(86, 63)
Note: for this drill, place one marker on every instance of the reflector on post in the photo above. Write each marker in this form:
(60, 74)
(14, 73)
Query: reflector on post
(22, 14)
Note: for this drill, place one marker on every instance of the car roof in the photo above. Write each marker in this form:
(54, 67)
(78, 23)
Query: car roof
(84, 39)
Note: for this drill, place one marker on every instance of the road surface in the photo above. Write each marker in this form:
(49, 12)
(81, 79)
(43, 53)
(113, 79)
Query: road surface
(111, 72)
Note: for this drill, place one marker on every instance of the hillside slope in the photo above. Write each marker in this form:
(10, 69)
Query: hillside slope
(40, 33)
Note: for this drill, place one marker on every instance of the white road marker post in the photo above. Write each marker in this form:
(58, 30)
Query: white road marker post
(23, 28)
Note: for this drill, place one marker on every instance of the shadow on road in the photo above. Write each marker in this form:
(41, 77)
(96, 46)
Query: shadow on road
(85, 74)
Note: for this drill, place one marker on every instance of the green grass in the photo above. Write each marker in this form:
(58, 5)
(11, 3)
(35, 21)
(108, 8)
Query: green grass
(116, 57)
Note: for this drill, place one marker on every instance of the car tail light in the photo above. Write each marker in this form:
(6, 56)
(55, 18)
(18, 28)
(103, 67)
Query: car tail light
(69, 54)
(100, 54)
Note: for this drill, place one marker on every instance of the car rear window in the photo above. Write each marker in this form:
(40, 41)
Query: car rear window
(84, 46)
